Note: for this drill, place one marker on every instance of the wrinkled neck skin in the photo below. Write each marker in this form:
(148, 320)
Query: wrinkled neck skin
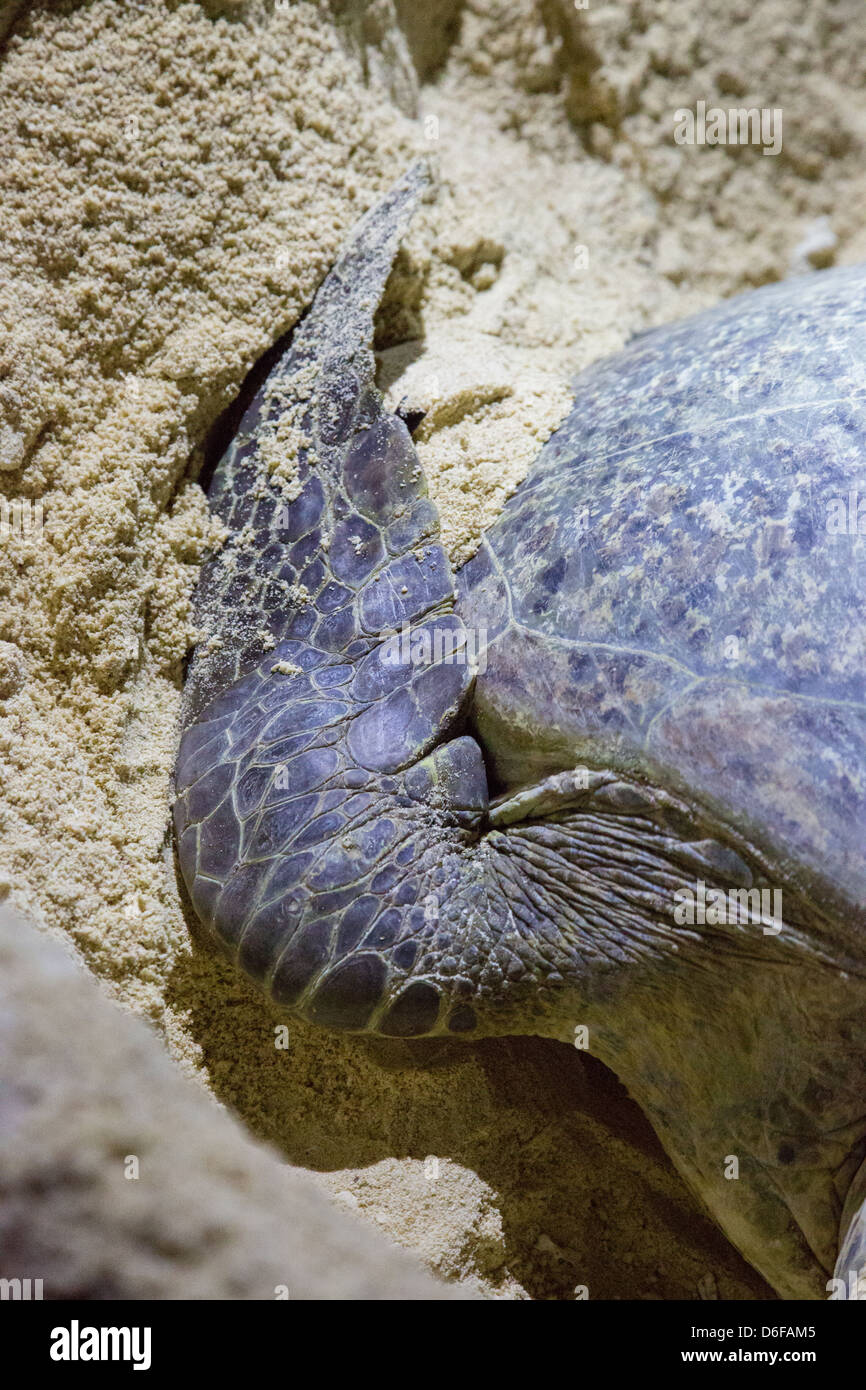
(742, 1047)
(741, 1073)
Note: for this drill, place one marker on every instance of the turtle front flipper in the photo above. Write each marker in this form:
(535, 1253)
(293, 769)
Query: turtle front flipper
(332, 808)
(322, 816)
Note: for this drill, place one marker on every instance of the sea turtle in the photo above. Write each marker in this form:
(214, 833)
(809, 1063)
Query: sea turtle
(613, 789)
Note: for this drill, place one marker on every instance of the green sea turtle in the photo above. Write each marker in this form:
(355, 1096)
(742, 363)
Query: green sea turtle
(610, 791)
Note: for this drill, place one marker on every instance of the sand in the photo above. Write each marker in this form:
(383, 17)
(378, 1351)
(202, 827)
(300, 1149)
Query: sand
(177, 179)
(146, 1189)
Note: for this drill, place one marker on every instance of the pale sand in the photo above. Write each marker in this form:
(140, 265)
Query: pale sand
(176, 183)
